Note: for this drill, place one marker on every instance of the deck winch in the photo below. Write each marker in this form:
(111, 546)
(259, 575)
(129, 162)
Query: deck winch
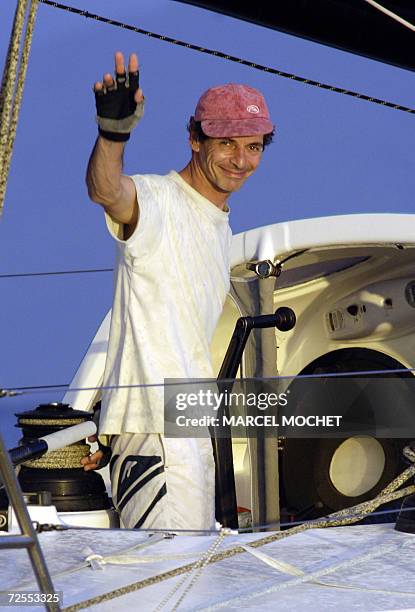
(60, 472)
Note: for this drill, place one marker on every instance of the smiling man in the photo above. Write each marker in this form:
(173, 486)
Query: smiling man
(227, 136)
(172, 277)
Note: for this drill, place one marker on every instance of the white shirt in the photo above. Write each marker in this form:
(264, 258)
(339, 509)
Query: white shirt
(171, 281)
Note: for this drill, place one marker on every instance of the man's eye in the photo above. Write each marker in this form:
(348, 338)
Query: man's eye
(256, 148)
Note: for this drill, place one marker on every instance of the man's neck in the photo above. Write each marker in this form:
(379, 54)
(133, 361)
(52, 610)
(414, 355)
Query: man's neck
(197, 179)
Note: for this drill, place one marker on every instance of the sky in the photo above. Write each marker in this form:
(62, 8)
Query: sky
(332, 155)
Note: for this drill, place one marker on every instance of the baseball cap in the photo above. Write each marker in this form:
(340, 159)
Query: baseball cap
(233, 110)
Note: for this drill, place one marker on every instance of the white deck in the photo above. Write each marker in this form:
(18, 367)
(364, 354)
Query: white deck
(376, 571)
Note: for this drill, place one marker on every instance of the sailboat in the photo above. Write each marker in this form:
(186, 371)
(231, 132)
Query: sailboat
(349, 280)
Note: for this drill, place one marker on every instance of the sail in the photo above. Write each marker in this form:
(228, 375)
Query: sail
(350, 25)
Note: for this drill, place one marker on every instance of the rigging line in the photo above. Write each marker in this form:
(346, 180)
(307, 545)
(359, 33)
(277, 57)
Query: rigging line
(389, 13)
(21, 77)
(10, 66)
(277, 525)
(9, 76)
(27, 390)
(8, 86)
(61, 272)
(12, 87)
(243, 530)
(230, 58)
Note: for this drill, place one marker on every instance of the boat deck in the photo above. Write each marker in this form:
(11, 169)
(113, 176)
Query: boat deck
(363, 568)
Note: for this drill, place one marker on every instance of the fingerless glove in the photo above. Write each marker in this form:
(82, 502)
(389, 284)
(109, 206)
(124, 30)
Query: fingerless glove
(117, 111)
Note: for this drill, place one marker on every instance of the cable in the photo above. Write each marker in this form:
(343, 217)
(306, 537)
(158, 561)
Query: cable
(58, 273)
(32, 389)
(225, 56)
(278, 525)
(266, 526)
(36, 388)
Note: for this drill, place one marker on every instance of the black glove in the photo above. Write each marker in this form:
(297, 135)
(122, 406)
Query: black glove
(117, 111)
(105, 449)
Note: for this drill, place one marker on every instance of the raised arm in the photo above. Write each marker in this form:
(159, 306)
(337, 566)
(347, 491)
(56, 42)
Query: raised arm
(119, 108)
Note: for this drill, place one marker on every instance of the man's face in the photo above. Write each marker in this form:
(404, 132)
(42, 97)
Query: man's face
(228, 162)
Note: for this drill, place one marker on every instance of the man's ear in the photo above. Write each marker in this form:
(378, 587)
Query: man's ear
(194, 143)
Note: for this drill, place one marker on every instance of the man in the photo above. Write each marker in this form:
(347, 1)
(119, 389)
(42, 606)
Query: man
(172, 277)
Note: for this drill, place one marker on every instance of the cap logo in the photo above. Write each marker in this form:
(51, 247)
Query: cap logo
(252, 108)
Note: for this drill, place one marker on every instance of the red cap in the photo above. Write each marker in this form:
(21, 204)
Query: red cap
(233, 110)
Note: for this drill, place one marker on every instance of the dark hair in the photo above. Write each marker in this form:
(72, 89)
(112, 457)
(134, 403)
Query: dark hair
(195, 128)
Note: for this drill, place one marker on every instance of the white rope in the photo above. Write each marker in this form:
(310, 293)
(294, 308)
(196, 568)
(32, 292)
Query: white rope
(281, 566)
(389, 13)
(197, 569)
(153, 539)
(126, 560)
(377, 551)
(292, 570)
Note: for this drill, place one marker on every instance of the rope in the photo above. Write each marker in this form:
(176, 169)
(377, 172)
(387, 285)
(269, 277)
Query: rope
(394, 16)
(8, 85)
(277, 525)
(347, 516)
(386, 549)
(244, 530)
(65, 458)
(68, 457)
(10, 68)
(19, 94)
(151, 540)
(293, 570)
(197, 570)
(388, 494)
(230, 58)
(129, 560)
(47, 422)
(157, 535)
(9, 107)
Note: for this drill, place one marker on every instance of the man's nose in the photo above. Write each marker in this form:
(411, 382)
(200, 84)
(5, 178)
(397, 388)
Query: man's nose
(239, 158)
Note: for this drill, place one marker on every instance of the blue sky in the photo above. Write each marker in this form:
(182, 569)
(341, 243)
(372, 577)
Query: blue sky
(332, 155)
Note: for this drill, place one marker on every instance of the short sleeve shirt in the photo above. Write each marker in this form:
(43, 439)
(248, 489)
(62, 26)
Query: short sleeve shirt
(171, 281)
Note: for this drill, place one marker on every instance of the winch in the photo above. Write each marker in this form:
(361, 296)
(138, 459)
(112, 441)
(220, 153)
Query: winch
(73, 491)
(60, 472)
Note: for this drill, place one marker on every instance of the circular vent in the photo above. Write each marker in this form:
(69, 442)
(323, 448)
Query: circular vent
(322, 475)
(410, 293)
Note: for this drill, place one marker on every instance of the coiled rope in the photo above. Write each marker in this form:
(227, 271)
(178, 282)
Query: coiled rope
(65, 458)
(68, 457)
(11, 92)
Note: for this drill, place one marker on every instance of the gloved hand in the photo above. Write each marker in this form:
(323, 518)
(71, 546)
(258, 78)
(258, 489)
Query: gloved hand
(120, 103)
(101, 457)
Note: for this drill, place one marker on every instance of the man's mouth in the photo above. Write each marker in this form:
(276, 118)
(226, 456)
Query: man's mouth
(234, 174)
